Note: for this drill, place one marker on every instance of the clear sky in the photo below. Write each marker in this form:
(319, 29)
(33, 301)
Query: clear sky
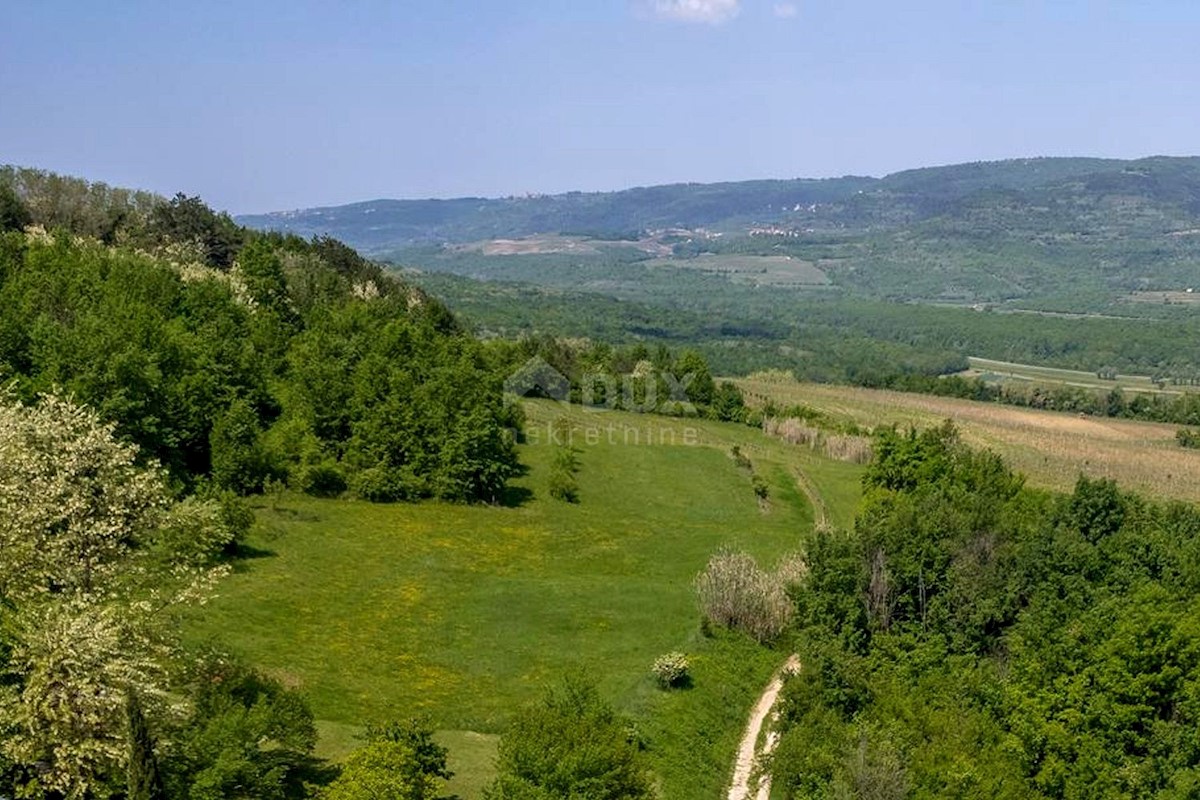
(271, 105)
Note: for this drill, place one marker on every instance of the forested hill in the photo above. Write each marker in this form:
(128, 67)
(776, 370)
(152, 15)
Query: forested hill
(1044, 194)
(237, 358)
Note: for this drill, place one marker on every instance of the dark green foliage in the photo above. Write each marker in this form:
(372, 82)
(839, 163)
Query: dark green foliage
(247, 737)
(759, 486)
(728, 405)
(143, 779)
(571, 744)
(14, 214)
(974, 638)
(372, 387)
(188, 219)
(238, 461)
(1097, 508)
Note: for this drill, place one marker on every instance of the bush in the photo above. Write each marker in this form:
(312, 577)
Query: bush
(380, 485)
(670, 670)
(733, 591)
(571, 744)
(1188, 437)
(760, 487)
(321, 480)
(563, 485)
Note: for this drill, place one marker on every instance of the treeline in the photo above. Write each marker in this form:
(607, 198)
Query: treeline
(971, 637)
(631, 378)
(236, 358)
(1179, 409)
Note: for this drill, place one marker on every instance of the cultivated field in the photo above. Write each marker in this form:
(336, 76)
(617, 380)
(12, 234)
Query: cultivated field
(781, 271)
(1052, 449)
(463, 613)
(1028, 374)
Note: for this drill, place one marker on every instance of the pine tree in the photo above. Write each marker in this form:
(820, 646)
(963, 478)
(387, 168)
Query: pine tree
(143, 779)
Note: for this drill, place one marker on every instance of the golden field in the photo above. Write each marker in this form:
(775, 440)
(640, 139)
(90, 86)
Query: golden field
(1052, 449)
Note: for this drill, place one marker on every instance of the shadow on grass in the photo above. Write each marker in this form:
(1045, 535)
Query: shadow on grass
(684, 684)
(310, 771)
(516, 496)
(242, 551)
(295, 514)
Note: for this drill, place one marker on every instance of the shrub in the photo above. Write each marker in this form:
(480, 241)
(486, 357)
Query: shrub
(571, 744)
(855, 449)
(733, 591)
(321, 480)
(760, 487)
(670, 670)
(792, 430)
(563, 485)
(1188, 437)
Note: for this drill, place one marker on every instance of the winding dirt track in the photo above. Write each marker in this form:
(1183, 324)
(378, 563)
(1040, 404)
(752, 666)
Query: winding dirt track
(749, 751)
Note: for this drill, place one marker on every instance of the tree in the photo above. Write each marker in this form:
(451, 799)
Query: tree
(247, 737)
(142, 776)
(570, 744)
(189, 219)
(238, 461)
(691, 370)
(91, 555)
(72, 662)
(399, 762)
(76, 503)
(14, 214)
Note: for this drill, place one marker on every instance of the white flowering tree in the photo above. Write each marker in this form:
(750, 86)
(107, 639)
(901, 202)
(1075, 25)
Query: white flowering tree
(92, 552)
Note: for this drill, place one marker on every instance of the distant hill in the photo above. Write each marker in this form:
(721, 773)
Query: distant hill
(1034, 194)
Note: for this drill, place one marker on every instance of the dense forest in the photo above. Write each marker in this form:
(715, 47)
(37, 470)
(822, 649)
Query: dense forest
(972, 637)
(236, 358)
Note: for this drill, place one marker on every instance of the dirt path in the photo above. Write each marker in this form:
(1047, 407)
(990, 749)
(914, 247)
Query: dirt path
(748, 750)
(820, 510)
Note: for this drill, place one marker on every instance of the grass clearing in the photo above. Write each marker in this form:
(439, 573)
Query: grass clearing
(1051, 448)
(461, 614)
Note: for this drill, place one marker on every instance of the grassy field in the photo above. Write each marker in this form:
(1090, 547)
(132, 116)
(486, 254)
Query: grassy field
(1028, 374)
(1052, 449)
(463, 613)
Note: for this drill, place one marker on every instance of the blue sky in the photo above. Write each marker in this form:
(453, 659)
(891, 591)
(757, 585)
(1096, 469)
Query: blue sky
(271, 105)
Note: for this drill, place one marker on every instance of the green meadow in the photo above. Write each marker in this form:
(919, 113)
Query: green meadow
(460, 614)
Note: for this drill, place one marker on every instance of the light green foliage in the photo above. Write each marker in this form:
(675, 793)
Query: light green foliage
(571, 744)
(73, 503)
(399, 762)
(563, 483)
(670, 670)
(71, 664)
(93, 558)
(381, 770)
